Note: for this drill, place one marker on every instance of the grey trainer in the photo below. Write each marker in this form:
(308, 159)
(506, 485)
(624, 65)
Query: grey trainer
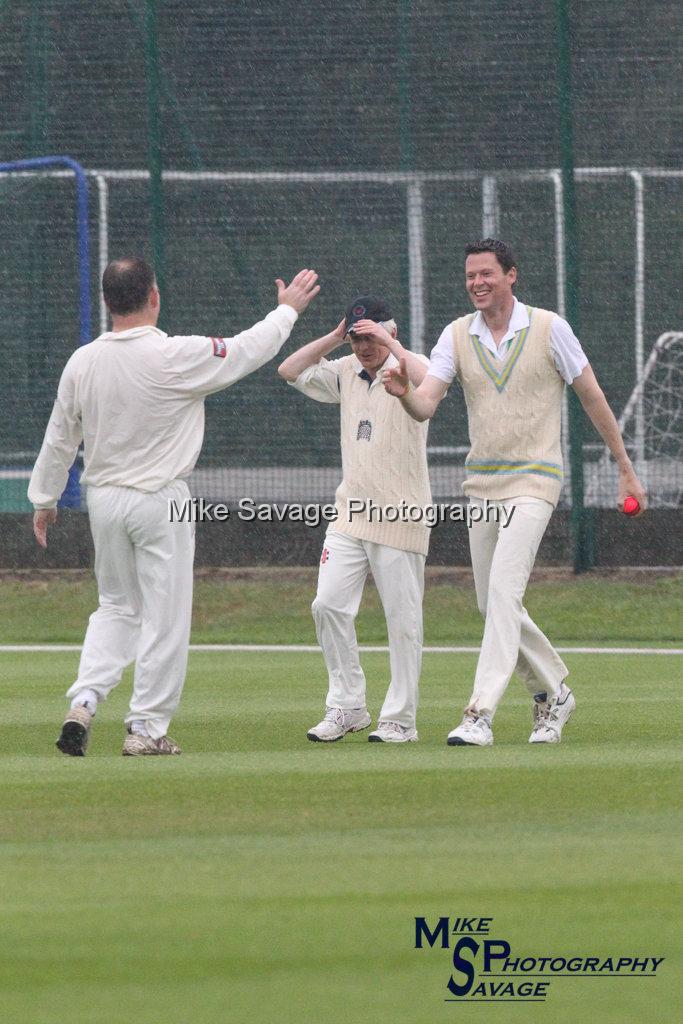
(337, 722)
(136, 745)
(392, 732)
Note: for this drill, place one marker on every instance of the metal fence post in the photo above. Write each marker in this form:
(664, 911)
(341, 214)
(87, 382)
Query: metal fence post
(581, 519)
(156, 187)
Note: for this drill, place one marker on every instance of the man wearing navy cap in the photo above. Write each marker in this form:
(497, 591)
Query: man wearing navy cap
(384, 468)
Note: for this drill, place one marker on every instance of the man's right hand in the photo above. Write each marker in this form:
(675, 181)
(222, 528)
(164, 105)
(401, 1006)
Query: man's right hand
(302, 290)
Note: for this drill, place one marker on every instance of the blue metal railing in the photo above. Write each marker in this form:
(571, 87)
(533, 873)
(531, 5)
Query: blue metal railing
(72, 495)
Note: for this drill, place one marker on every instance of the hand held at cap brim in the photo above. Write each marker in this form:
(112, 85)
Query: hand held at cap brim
(372, 331)
(300, 292)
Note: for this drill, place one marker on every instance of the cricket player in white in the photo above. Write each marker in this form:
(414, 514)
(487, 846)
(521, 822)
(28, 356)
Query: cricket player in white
(135, 398)
(384, 460)
(513, 362)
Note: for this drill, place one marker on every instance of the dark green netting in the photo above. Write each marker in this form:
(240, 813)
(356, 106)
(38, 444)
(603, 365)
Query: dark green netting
(394, 87)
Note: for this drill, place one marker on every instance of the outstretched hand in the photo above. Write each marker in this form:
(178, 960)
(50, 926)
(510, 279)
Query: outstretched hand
(300, 292)
(41, 520)
(396, 381)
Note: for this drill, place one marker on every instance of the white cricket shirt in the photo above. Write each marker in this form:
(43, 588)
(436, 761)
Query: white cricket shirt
(136, 400)
(568, 355)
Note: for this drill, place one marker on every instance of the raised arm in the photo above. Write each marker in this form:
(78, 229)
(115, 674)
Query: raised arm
(420, 403)
(204, 365)
(294, 365)
(601, 416)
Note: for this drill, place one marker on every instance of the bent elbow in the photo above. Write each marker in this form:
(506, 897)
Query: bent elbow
(419, 417)
(428, 411)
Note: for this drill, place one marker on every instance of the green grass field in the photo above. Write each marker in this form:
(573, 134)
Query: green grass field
(273, 606)
(261, 878)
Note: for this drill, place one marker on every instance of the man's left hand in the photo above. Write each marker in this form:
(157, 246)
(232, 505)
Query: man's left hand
(396, 380)
(42, 518)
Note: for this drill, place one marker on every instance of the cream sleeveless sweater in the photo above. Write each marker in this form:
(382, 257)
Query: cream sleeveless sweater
(384, 460)
(514, 411)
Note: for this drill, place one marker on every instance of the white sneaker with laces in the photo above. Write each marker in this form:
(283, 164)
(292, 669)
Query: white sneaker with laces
(392, 732)
(337, 722)
(550, 716)
(473, 731)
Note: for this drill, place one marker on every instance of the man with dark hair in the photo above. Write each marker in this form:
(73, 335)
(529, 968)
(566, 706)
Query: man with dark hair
(126, 284)
(384, 460)
(501, 250)
(513, 362)
(135, 397)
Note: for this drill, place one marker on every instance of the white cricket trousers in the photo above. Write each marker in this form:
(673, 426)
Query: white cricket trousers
(399, 576)
(502, 560)
(143, 565)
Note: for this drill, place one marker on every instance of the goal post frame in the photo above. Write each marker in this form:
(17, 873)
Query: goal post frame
(71, 498)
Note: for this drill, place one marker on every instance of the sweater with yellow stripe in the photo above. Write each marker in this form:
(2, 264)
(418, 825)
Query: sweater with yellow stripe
(514, 411)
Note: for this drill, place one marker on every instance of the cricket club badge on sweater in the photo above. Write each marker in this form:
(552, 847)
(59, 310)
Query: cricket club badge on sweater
(364, 432)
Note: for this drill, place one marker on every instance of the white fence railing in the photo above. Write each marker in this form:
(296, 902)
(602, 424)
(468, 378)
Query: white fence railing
(415, 184)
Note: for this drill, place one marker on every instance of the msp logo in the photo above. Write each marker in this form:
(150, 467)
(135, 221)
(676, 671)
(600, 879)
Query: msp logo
(487, 970)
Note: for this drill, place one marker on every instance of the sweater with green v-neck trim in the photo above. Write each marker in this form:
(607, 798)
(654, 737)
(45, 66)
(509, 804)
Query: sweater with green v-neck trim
(514, 412)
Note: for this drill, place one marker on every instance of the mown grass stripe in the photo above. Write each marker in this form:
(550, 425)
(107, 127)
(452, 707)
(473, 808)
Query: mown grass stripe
(314, 649)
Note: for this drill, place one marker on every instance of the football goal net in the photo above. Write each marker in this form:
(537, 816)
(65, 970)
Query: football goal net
(652, 427)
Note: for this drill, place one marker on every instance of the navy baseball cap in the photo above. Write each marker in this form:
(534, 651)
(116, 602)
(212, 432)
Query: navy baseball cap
(367, 307)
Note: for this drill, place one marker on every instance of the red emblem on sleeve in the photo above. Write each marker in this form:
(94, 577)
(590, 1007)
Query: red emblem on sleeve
(220, 349)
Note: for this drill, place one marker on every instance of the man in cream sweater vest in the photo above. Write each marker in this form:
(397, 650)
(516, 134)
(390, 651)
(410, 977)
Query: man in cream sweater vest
(513, 362)
(384, 469)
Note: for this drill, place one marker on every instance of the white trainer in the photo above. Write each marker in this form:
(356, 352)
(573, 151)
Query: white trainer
(136, 745)
(392, 732)
(473, 731)
(550, 716)
(337, 722)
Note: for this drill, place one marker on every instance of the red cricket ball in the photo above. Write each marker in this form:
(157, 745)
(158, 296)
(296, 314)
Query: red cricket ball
(631, 506)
